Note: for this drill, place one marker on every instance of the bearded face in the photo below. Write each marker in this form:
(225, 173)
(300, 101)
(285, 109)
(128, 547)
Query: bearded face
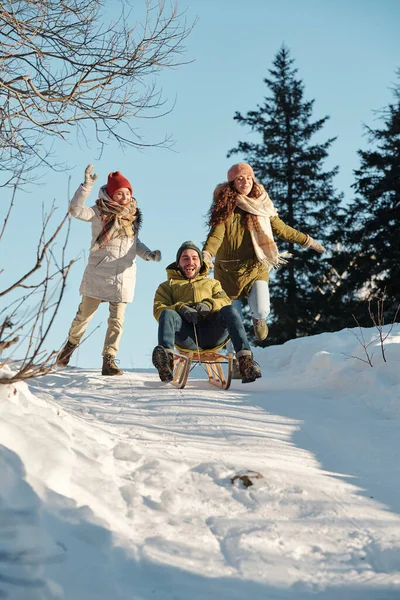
(189, 263)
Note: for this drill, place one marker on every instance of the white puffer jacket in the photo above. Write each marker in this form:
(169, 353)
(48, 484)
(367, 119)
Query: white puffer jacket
(110, 274)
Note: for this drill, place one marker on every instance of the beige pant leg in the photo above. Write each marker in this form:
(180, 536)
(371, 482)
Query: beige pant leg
(115, 328)
(86, 310)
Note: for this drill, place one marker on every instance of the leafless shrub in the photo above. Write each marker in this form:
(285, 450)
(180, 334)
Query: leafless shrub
(378, 320)
(27, 319)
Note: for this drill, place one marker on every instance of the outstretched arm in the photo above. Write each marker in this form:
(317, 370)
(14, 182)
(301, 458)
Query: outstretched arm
(285, 232)
(310, 243)
(76, 207)
(144, 252)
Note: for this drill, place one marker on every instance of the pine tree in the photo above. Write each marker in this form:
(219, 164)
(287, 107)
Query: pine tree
(290, 166)
(374, 216)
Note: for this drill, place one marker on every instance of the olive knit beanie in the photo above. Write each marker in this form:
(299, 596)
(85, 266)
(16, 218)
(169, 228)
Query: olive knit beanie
(188, 246)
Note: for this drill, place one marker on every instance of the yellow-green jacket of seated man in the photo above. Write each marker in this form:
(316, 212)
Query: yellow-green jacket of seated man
(177, 291)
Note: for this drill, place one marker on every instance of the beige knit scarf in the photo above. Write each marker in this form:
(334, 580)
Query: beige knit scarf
(261, 234)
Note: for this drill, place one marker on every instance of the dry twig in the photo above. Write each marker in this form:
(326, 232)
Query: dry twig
(36, 321)
(378, 321)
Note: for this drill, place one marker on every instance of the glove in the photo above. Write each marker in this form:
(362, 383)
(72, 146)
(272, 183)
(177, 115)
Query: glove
(310, 243)
(189, 314)
(155, 255)
(202, 308)
(89, 178)
(207, 259)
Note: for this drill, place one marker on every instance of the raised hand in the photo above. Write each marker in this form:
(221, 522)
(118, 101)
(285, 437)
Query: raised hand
(89, 177)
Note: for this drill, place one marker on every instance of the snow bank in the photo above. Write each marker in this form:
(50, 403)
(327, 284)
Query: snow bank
(339, 362)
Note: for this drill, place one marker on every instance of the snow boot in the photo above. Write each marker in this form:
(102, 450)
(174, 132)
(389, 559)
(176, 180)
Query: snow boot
(260, 329)
(163, 360)
(65, 354)
(109, 366)
(249, 369)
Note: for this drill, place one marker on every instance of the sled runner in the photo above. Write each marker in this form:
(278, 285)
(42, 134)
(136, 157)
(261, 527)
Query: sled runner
(212, 362)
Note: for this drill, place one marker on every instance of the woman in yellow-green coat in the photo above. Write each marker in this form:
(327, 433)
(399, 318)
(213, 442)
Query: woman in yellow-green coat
(243, 223)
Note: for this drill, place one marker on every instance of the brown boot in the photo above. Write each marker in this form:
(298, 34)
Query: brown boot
(109, 366)
(260, 329)
(65, 354)
(163, 360)
(249, 369)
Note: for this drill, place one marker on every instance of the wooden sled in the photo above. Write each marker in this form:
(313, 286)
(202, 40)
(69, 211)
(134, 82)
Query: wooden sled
(211, 360)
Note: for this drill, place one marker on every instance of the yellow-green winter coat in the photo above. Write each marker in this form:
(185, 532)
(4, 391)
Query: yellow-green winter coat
(236, 265)
(177, 291)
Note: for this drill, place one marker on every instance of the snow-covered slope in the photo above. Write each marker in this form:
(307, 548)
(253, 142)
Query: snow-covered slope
(121, 488)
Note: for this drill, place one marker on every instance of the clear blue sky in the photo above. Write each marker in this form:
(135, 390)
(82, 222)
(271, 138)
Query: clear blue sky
(346, 53)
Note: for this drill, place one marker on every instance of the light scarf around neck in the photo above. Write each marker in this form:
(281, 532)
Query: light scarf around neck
(265, 248)
(118, 219)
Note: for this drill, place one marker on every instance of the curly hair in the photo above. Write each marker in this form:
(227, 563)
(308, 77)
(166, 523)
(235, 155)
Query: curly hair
(224, 203)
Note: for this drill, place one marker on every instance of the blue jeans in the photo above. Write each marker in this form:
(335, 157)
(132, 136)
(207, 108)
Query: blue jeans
(211, 331)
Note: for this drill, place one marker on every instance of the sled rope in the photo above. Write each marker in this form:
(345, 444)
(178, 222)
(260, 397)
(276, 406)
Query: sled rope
(200, 361)
(197, 342)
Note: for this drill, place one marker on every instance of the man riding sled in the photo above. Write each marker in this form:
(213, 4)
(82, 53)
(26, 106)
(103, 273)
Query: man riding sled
(195, 313)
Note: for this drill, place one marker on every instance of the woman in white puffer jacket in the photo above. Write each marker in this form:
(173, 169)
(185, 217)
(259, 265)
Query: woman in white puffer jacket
(110, 275)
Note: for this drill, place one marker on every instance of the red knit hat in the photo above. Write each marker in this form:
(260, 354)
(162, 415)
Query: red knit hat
(116, 181)
(240, 169)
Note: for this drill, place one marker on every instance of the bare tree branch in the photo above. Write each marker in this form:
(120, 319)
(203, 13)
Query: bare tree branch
(41, 255)
(10, 206)
(37, 320)
(68, 65)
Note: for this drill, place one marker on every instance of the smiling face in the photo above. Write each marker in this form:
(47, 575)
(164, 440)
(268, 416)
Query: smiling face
(189, 263)
(243, 184)
(122, 196)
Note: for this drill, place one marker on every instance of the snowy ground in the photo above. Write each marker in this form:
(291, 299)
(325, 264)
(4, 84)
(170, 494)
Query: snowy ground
(121, 488)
